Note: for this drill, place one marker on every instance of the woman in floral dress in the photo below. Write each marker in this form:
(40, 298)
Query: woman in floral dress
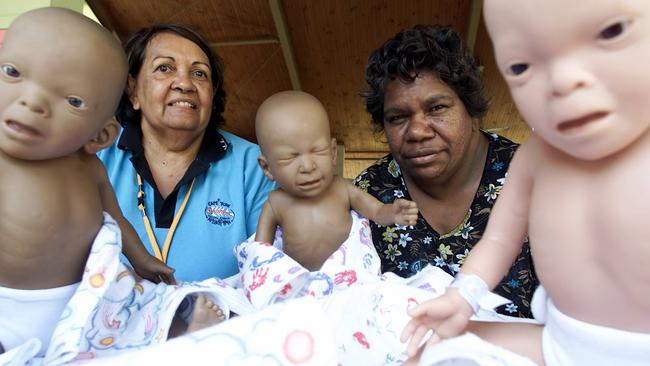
(426, 95)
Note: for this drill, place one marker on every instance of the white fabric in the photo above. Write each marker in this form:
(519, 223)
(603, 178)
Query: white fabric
(471, 350)
(267, 275)
(344, 314)
(358, 325)
(293, 333)
(368, 308)
(31, 313)
(567, 341)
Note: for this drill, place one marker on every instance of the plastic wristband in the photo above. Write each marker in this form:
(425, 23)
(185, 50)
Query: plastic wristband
(471, 287)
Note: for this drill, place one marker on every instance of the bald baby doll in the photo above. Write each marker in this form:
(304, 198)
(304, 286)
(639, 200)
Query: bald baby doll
(311, 204)
(61, 77)
(574, 187)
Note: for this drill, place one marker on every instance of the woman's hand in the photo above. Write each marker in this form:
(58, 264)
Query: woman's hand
(447, 316)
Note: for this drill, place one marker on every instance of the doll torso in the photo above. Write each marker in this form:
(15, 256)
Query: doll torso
(590, 234)
(313, 229)
(51, 213)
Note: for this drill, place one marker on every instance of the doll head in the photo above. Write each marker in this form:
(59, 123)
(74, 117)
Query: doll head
(61, 78)
(298, 153)
(576, 70)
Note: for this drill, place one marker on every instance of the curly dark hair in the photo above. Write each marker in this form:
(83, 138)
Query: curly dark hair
(136, 46)
(424, 48)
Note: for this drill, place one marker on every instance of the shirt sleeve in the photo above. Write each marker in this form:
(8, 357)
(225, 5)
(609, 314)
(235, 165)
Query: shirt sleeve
(257, 188)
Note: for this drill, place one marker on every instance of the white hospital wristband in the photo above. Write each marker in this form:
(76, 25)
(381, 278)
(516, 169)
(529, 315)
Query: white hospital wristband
(471, 287)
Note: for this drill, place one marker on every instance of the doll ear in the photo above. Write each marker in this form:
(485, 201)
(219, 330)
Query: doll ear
(130, 90)
(261, 160)
(104, 138)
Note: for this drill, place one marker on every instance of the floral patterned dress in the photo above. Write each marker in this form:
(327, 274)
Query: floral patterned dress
(406, 250)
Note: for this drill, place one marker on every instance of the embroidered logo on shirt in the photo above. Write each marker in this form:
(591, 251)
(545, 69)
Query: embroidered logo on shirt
(219, 213)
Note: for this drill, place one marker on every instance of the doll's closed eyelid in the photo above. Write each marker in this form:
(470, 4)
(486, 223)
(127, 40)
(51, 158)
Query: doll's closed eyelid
(320, 149)
(286, 158)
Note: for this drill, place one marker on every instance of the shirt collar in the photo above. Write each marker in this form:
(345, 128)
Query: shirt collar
(212, 148)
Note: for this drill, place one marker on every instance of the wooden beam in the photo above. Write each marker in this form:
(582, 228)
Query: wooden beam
(285, 43)
(245, 42)
(474, 18)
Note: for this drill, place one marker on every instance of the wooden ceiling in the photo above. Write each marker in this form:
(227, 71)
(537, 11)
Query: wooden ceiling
(326, 47)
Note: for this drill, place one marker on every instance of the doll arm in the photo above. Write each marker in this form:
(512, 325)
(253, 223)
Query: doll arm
(401, 211)
(144, 264)
(266, 224)
(486, 264)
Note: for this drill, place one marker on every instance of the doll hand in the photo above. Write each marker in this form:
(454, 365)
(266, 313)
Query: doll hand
(406, 212)
(446, 316)
(154, 270)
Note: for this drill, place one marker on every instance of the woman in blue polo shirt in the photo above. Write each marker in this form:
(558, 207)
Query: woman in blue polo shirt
(191, 191)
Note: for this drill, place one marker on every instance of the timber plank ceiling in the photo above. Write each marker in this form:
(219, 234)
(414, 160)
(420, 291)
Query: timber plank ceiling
(319, 46)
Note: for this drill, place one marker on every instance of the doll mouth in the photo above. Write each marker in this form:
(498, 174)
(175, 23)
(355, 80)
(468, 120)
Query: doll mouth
(575, 124)
(22, 129)
(309, 185)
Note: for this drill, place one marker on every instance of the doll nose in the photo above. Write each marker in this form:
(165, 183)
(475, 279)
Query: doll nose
(33, 100)
(567, 76)
(307, 165)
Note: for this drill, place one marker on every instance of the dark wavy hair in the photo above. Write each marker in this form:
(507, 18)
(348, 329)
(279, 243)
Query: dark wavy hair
(424, 48)
(136, 46)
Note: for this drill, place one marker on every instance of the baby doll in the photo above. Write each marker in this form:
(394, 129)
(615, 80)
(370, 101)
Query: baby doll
(61, 77)
(575, 71)
(311, 205)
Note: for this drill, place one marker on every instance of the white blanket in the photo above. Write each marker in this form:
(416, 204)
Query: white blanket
(344, 314)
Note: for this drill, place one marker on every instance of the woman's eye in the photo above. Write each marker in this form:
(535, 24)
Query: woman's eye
(614, 30)
(436, 108)
(10, 71)
(518, 69)
(200, 73)
(76, 102)
(395, 119)
(163, 68)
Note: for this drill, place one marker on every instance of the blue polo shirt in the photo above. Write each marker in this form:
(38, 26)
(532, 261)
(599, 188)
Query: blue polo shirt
(222, 210)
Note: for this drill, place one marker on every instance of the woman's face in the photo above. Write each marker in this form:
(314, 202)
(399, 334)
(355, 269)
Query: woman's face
(174, 87)
(427, 127)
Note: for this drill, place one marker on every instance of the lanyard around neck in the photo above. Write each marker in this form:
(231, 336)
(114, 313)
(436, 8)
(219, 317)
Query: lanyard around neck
(147, 224)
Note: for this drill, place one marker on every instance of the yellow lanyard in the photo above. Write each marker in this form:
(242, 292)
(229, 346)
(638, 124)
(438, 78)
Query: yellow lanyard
(147, 224)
